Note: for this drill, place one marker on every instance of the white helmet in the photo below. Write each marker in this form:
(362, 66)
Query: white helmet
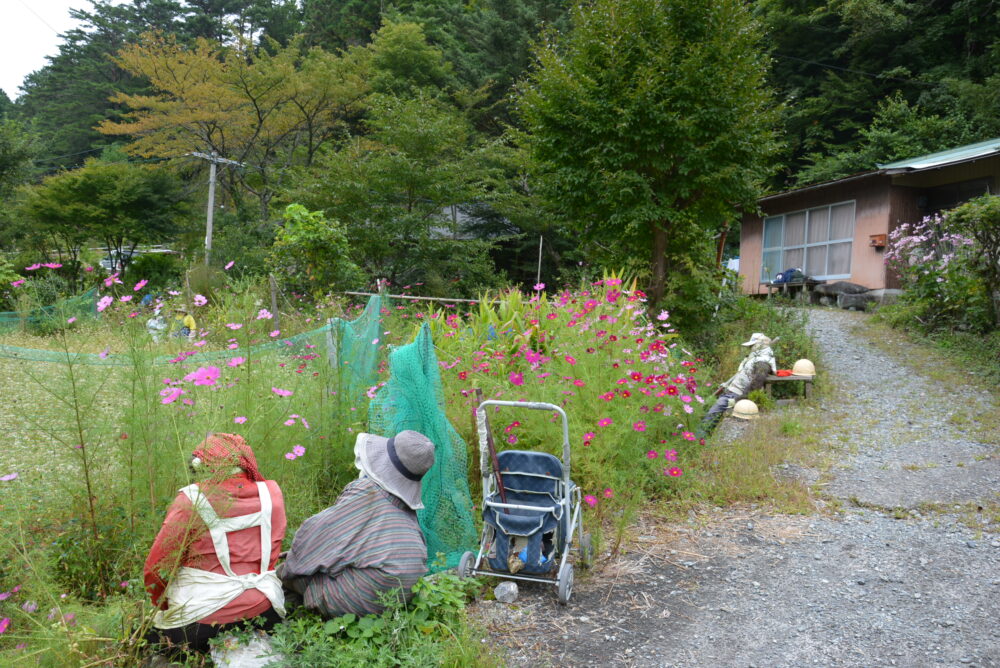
(745, 410)
(804, 367)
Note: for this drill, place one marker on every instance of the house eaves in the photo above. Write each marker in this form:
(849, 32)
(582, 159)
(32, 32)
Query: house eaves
(953, 156)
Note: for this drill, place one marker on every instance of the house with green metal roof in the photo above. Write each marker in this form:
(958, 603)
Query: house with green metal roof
(838, 230)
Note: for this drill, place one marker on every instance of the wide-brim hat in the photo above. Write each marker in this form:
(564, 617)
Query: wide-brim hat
(396, 464)
(759, 337)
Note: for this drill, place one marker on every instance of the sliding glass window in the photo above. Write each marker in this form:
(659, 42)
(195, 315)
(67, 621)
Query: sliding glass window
(817, 241)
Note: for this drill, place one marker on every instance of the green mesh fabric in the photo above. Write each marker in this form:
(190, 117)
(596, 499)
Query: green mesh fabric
(413, 399)
(352, 346)
(72, 307)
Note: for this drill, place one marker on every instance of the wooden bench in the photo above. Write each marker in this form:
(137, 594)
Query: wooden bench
(792, 288)
(805, 381)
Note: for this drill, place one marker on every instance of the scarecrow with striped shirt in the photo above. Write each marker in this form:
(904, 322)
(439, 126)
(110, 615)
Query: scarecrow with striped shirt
(345, 558)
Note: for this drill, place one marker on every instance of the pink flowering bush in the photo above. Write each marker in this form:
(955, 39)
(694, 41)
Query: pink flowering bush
(934, 266)
(627, 383)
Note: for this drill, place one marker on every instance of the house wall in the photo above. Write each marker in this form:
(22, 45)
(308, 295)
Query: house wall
(871, 216)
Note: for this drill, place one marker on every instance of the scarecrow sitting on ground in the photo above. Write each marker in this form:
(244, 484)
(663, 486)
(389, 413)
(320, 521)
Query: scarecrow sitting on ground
(212, 564)
(185, 322)
(750, 376)
(345, 558)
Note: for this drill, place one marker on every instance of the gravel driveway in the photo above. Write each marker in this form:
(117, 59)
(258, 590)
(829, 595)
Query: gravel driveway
(895, 576)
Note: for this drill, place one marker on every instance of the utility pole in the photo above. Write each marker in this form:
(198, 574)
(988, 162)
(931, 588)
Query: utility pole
(213, 160)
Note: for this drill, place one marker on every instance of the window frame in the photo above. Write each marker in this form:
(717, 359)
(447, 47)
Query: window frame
(805, 245)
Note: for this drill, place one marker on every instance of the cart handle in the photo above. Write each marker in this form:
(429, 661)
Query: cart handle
(538, 406)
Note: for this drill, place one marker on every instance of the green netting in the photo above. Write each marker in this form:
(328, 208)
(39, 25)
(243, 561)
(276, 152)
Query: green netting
(413, 399)
(72, 307)
(353, 347)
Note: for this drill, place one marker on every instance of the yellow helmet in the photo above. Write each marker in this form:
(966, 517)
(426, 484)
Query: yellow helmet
(745, 410)
(804, 368)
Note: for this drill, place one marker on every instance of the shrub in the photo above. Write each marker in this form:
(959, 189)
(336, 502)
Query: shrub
(935, 267)
(161, 270)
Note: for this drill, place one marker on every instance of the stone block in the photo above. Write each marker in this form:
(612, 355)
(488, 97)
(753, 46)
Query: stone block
(840, 288)
(856, 302)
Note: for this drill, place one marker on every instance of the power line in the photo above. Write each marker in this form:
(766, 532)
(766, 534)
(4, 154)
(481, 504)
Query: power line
(852, 71)
(37, 16)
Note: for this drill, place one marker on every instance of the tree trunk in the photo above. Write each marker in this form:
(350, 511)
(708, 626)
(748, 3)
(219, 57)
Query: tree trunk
(659, 262)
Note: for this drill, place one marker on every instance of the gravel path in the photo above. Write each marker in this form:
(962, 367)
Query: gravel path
(894, 578)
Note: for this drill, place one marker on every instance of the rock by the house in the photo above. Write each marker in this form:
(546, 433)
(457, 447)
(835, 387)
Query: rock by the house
(856, 302)
(885, 295)
(839, 288)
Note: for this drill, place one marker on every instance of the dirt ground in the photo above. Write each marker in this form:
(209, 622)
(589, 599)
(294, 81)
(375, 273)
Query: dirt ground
(899, 566)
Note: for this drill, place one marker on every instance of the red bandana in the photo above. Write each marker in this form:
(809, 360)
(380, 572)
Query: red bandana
(220, 448)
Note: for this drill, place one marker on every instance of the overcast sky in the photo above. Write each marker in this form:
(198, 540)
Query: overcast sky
(29, 31)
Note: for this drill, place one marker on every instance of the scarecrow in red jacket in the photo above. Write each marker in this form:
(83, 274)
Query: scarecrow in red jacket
(212, 565)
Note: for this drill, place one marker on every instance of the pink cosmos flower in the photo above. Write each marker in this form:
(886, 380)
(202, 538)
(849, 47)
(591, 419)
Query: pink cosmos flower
(233, 325)
(200, 300)
(8, 477)
(70, 321)
(236, 361)
(688, 409)
(604, 422)
(29, 606)
(673, 472)
(589, 436)
(125, 298)
(639, 426)
(685, 398)
(104, 302)
(289, 455)
(298, 450)
(512, 439)
(17, 283)
(608, 493)
(282, 393)
(239, 420)
(590, 500)
(173, 293)
(289, 422)
(33, 267)
(204, 375)
(233, 346)
(551, 316)
(670, 455)
(374, 342)
(52, 265)
(275, 333)
(140, 285)
(663, 315)
(304, 423)
(111, 280)
(264, 314)
(539, 286)
(652, 454)
(170, 395)
(570, 360)
(516, 378)
(4, 624)
(88, 269)
(229, 265)
(104, 353)
(199, 344)
(687, 436)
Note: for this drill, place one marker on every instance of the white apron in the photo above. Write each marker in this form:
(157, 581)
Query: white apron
(194, 594)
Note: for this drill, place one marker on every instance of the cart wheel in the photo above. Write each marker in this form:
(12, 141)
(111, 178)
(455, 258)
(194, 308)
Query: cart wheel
(586, 551)
(465, 565)
(565, 582)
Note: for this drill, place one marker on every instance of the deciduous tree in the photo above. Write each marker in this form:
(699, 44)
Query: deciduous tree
(653, 126)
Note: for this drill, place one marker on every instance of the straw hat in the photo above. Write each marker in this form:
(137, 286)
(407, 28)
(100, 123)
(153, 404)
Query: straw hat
(745, 410)
(804, 367)
(396, 464)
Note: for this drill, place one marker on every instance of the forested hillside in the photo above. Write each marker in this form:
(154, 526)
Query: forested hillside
(409, 125)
